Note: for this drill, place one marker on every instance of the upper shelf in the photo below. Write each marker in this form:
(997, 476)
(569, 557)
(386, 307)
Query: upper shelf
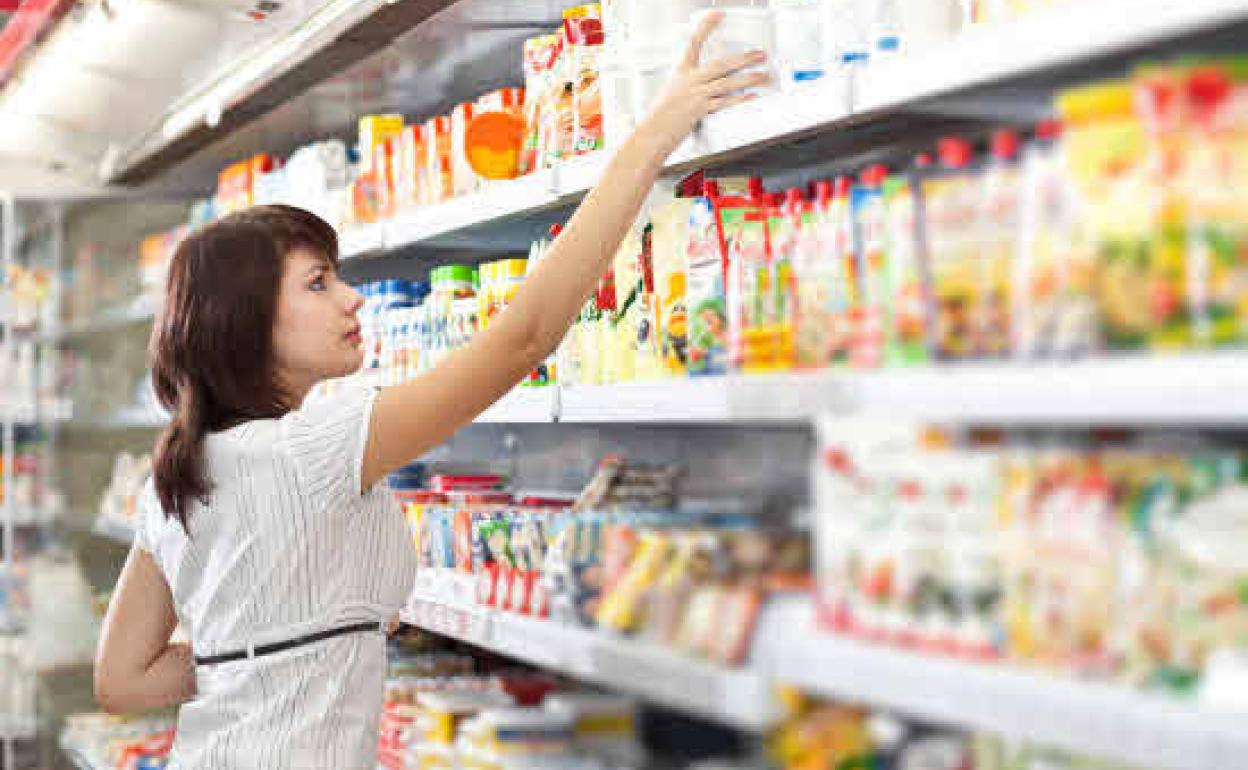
(1189, 390)
(1066, 38)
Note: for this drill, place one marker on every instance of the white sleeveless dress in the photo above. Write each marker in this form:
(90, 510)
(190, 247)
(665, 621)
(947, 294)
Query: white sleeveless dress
(286, 546)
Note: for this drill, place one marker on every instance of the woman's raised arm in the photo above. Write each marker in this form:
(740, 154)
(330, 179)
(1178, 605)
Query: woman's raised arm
(411, 418)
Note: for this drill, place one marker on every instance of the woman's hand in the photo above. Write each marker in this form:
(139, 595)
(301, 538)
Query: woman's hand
(699, 89)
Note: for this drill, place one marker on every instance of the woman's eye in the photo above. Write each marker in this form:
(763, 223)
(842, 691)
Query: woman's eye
(318, 283)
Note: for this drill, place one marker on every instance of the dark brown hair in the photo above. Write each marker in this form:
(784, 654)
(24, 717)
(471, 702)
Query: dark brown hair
(212, 345)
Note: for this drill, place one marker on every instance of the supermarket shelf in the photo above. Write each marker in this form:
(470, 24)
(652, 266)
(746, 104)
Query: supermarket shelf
(26, 517)
(141, 311)
(1062, 37)
(1100, 720)
(521, 405)
(1134, 390)
(737, 697)
(772, 120)
(111, 529)
(495, 202)
(127, 418)
(360, 241)
(1095, 719)
(1059, 37)
(19, 728)
(27, 413)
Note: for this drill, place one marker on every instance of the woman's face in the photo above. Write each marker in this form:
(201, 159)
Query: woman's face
(316, 335)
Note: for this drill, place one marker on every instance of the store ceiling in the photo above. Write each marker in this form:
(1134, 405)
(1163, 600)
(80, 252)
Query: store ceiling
(467, 49)
(92, 104)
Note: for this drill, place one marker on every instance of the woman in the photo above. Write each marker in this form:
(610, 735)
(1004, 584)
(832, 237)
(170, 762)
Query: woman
(265, 532)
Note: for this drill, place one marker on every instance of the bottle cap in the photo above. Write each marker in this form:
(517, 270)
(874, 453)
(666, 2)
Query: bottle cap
(1004, 144)
(954, 152)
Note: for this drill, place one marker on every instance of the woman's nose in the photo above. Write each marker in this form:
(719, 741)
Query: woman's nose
(355, 300)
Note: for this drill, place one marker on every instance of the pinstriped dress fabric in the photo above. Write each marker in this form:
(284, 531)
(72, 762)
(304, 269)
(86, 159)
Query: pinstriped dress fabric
(285, 546)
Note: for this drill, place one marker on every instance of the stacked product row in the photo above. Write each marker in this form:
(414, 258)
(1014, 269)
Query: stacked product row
(445, 710)
(33, 491)
(1114, 561)
(585, 86)
(624, 557)
(1119, 227)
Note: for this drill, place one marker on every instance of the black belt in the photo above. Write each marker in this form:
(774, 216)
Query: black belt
(289, 644)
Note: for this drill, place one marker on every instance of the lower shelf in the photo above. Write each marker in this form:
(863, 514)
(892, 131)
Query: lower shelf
(740, 698)
(1099, 720)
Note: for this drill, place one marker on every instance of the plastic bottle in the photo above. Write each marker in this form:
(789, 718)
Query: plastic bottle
(951, 198)
(799, 40)
(909, 306)
(846, 33)
(886, 29)
(826, 292)
(868, 343)
(999, 217)
(741, 29)
(545, 373)
(928, 23)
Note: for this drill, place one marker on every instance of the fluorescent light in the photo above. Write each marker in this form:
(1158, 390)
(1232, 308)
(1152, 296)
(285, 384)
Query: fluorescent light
(271, 58)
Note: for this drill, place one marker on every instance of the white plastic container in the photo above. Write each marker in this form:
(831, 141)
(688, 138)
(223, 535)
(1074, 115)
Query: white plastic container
(799, 39)
(928, 23)
(887, 35)
(740, 31)
(619, 115)
(649, 77)
(654, 26)
(846, 33)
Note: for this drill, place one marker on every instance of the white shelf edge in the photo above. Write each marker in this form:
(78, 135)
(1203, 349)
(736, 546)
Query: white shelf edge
(27, 517)
(1101, 720)
(60, 410)
(142, 310)
(19, 729)
(522, 405)
(127, 418)
(1192, 389)
(1061, 35)
(740, 698)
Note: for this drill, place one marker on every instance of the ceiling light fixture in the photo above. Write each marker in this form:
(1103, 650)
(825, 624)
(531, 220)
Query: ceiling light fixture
(211, 102)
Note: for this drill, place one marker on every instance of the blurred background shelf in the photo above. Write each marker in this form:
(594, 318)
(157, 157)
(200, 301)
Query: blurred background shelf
(739, 698)
(118, 531)
(140, 311)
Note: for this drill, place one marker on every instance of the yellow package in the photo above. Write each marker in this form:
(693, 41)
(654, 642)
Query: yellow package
(1104, 149)
(619, 363)
(668, 236)
(374, 130)
(621, 608)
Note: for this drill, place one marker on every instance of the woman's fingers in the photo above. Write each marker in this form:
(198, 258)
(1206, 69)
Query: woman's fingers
(720, 103)
(729, 86)
(693, 52)
(721, 67)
